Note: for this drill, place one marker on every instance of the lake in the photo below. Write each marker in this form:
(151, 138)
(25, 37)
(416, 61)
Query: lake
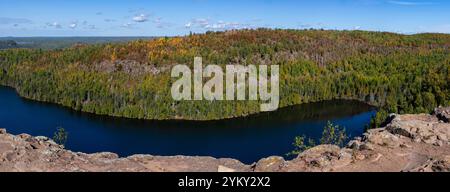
(247, 139)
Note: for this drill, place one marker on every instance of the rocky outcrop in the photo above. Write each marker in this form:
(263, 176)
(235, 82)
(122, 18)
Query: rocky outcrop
(407, 143)
(443, 113)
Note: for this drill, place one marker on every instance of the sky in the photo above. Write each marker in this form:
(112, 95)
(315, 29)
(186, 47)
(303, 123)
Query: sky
(24, 18)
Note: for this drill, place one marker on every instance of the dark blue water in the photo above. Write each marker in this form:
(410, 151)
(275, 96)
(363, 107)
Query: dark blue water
(247, 139)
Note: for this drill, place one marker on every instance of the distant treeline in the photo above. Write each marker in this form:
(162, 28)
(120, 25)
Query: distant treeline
(8, 44)
(398, 73)
(47, 43)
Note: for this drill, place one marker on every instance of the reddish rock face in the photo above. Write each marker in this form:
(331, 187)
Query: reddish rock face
(407, 143)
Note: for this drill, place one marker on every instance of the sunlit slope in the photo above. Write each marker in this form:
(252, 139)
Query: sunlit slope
(400, 73)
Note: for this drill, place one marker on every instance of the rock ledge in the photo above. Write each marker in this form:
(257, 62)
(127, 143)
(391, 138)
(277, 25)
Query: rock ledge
(407, 143)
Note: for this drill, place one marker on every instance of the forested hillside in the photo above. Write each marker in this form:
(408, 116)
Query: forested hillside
(399, 73)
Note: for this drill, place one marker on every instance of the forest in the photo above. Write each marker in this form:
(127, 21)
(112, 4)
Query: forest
(397, 73)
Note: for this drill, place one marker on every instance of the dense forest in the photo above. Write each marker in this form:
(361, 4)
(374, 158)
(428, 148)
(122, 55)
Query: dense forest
(398, 73)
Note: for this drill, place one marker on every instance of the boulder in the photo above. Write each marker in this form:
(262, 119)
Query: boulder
(321, 156)
(443, 113)
(420, 128)
(382, 138)
(269, 164)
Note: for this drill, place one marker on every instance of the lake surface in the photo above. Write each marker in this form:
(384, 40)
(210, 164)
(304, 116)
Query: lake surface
(246, 139)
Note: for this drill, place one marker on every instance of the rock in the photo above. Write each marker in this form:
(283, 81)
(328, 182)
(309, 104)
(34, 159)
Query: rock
(442, 137)
(439, 143)
(269, 164)
(321, 156)
(2, 131)
(420, 128)
(443, 113)
(403, 145)
(223, 169)
(442, 165)
(367, 146)
(359, 156)
(104, 155)
(41, 138)
(354, 144)
(24, 136)
(382, 138)
(430, 140)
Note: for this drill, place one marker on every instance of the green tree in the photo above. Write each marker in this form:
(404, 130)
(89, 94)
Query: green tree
(333, 135)
(60, 136)
(300, 145)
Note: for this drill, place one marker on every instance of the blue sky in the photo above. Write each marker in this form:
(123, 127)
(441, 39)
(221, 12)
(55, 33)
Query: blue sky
(177, 17)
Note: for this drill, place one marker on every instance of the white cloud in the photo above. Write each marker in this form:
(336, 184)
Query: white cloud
(221, 25)
(188, 25)
(73, 25)
(409, 3)
(127, 25)
(54, 24)
(207, 24)
(140, 18)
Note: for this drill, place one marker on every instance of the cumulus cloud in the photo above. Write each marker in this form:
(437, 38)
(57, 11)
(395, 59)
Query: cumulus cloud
(188, 25)
(9, 20)
(140, 18)
(73, 25)
(54, 24)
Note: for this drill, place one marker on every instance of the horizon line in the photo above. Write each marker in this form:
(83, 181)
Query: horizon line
(156, 36)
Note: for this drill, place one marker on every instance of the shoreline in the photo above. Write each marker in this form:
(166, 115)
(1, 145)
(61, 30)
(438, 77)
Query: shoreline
(408, 143)
(374, 107)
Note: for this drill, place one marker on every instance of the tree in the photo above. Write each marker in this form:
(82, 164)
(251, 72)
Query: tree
(60, 136)
(300, 145)
(331, 135)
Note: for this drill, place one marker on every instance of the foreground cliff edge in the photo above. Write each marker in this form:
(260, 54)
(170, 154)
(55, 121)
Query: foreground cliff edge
(407, 143)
